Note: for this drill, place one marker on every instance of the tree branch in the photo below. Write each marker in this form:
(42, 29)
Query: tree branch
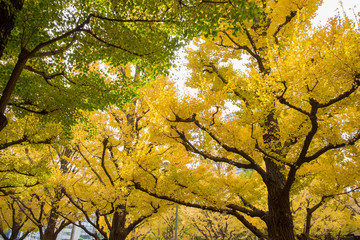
(247, 224)
(112, 45)
(193, 149)
(23, 57)
(139, 220)
(44, 75)
(8, 144)
(105, 142)
(210, 208)
(344, 95)
(270, 156)
(225, 81)
(238, 46)
(129, 20)
(25, 139)
(255, 55)
(287, 20)
(282, 100)
(253, 165)
(41, 112)
(88, 218)
(251, 213)
(333, 146)
(308, 139)
(58, 51)
(78, 28)
(89, 164)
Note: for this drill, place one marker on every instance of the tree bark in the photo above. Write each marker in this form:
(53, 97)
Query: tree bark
(15, 230)
(118, 230)
(10, 86)
(279, 220)
(50, 232)
(8, 10)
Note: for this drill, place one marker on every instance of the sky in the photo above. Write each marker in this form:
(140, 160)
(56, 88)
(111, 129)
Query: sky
(328, 9)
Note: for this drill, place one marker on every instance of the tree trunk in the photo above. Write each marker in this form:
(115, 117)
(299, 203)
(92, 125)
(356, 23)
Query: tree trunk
(15, 230)
(50, 230)
(279, 222)
(8, 10)
(10, 86)
(118, 230)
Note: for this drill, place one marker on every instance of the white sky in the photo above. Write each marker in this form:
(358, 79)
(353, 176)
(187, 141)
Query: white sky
(328, 9)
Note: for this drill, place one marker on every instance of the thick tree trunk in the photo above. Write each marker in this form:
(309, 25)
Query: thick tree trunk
(14, 233)
(118, 230)
(50, 230)
(280, 222)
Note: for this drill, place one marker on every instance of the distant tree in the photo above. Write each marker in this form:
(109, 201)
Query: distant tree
(108, 148)
(46, 204)
(13, 220)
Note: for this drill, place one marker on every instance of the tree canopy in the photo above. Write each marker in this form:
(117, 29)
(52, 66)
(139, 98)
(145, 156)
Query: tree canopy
(295, 112)
(272, 143)
(58, 46)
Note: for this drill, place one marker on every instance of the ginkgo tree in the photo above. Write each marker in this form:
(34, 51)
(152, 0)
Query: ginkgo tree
(54, 46)
(108, 147)
(212, 225)
(52, 41)
(19, 167)
(295, 107)
(13, 220)
(46, 205)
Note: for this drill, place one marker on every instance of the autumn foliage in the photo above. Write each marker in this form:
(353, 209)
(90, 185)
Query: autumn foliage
(262, 142)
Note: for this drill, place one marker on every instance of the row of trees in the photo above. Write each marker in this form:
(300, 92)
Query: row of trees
(89, 140)
(98, 177)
